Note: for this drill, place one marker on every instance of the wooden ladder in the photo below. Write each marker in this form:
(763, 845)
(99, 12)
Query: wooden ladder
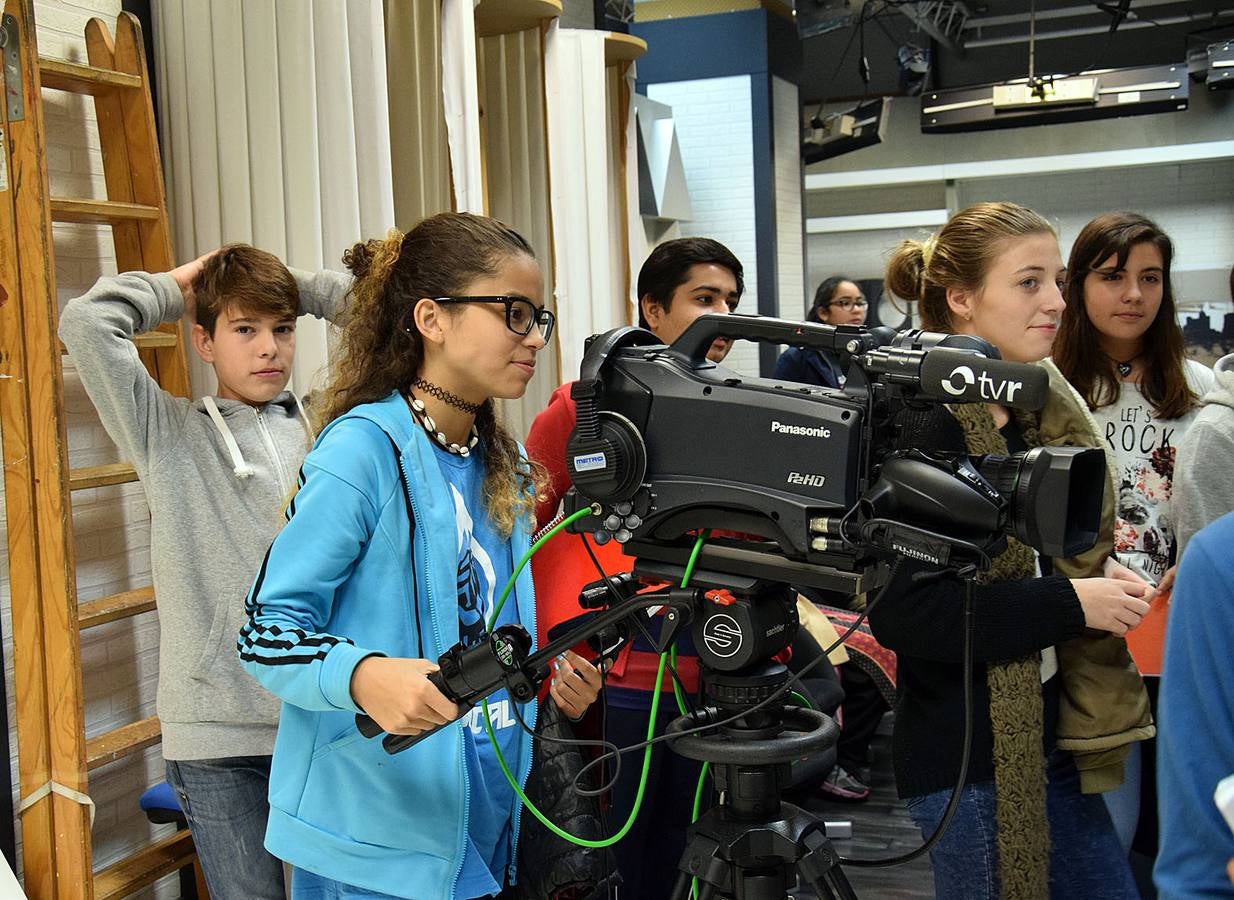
(53, 750)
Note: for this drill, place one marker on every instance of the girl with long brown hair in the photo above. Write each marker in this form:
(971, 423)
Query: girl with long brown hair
(412, 509)
(1120, 346)
(1055, 699)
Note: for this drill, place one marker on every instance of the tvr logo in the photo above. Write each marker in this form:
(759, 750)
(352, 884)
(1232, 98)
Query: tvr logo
(962, 378)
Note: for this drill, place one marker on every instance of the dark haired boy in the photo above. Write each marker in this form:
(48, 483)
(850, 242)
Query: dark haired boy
(680, 281)
(216, 474)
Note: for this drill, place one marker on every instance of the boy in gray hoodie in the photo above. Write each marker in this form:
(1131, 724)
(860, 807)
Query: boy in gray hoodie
(216, 473)
(1203, 488)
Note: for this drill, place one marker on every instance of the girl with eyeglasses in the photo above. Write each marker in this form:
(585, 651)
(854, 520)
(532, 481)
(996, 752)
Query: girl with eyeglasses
(411, 511)
(838, 301)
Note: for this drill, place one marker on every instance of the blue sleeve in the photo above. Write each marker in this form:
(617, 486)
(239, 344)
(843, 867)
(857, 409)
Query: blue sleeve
(791, 367)
(283, 644)
(1195, 741)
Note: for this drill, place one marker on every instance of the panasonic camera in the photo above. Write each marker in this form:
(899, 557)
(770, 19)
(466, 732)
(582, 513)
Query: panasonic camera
(808, 485)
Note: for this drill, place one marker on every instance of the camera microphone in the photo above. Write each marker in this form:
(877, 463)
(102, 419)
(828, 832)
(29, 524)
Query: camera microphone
(959, 376)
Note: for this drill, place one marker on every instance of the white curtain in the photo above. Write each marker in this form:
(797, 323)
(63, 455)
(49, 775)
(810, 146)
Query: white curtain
(290, 151)
(577, 94)
(515, 147)
(461, 95)
(629, 238)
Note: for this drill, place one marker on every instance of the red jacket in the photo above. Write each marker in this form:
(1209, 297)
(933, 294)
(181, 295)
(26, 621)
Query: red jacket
(561, 567)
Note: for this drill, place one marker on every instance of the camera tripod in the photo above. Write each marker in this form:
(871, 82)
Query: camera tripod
(750, 846)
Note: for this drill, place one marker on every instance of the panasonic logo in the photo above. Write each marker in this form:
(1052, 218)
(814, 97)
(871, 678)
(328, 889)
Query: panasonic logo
(818, 431)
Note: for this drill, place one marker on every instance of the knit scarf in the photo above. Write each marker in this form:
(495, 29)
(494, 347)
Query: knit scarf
(1016, 714)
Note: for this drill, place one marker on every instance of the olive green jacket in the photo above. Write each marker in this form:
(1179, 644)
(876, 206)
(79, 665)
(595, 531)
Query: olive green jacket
(1104, 707)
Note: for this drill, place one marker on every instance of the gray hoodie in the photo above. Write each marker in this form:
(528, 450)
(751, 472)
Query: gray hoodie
(216, 474)
(1203, 485)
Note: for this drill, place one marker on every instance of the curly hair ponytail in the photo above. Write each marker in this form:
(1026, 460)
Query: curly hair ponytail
(382, 351)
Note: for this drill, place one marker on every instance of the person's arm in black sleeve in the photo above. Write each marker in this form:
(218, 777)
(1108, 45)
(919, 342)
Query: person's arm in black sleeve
(926, 618)
(1010, 618)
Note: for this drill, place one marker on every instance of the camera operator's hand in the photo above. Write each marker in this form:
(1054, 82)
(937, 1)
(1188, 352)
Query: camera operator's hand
(397, 695)
(575, 685)
(1112, 568)
(1111, 604)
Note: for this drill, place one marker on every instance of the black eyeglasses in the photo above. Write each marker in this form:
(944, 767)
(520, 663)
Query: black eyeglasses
(521, 314)
(847, 304)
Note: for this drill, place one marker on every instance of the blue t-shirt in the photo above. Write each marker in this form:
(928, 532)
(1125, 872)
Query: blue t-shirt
(484, 566)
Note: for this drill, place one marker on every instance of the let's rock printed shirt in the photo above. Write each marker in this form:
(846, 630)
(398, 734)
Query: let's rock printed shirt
(1143, 449)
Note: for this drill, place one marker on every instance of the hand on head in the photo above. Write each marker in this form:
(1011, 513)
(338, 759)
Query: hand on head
(185, 275)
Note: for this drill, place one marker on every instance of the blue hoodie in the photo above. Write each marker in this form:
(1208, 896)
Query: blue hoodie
(342, 582)
(1195, 737)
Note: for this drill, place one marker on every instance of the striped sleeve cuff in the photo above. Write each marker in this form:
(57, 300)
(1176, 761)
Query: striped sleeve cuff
(336, 671)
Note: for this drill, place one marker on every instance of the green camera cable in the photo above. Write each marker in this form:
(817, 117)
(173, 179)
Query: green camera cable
(651, 723)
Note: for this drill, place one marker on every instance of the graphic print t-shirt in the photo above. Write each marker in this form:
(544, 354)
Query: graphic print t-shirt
(484, 567)
(1143, 449)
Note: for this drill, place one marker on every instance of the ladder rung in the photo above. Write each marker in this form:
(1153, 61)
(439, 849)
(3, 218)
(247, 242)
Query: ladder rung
(101, 476)
(99, 212)
(151, 339)
(67, 76)
(143, 868)
(117, 606)
(123, 741)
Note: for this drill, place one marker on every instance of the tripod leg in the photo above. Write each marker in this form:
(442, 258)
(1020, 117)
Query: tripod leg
(681, 888)
(821, 890)
(819, 867)
(837, 885)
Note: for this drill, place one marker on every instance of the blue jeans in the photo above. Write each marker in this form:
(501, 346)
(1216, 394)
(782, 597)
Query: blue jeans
(225, 802)
(1086, 860)
(1124, 802)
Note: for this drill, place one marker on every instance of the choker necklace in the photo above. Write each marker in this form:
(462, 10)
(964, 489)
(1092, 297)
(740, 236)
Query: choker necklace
(420, 414)
(446, 397)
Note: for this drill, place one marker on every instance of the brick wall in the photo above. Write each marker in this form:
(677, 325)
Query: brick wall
(713, 121)
(790, 235)
(1192, 201)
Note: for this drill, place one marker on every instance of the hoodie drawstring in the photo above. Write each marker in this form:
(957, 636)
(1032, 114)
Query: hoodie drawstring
(240, 467)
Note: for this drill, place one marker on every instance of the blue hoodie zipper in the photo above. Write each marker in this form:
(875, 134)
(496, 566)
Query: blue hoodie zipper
(525, 766)
(461, 850)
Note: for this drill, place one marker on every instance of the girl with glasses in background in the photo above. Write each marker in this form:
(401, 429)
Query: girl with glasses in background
(838, 301)
(410, 513)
